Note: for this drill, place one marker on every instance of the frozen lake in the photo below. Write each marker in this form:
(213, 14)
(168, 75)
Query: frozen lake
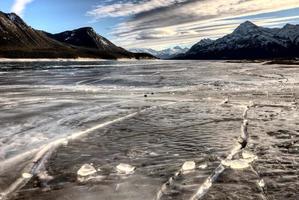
(153, 115)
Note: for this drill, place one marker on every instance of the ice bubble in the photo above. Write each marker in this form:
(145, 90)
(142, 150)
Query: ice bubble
(188, 166)
(236, 164)
(26, 175)
(153, 154)
(262, 183)
(203, 166)
(85, 171)
(125, 168)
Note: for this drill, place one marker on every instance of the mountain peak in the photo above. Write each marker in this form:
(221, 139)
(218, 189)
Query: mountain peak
(14, 18)
(290, 26)
(250, 41)
(204, 42)
(245, 27)
(19, 40)
(163, 54)
(248, 23)
(85, 29)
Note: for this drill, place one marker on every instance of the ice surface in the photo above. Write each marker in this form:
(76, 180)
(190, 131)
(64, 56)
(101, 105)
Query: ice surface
(249, 156)
(98, 109)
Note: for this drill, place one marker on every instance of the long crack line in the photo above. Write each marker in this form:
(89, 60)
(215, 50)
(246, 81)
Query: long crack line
(242, 143)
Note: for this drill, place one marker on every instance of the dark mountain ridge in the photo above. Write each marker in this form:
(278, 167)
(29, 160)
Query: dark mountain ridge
(249, 41)
(18, 40)
(87, 38)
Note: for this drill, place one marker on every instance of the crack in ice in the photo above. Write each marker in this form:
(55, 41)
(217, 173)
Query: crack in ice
(242, 143)
(46, 151)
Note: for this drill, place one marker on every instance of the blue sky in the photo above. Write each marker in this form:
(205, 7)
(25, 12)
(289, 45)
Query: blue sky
(153, 23)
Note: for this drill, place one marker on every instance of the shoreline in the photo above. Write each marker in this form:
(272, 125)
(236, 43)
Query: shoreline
(265, 62)
(6, 60)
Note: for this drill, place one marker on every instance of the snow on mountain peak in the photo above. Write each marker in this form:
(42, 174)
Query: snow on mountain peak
(204, 42)
(289, 31)
(249, 41)
(164, 54)
(12, 16)
(246, 27)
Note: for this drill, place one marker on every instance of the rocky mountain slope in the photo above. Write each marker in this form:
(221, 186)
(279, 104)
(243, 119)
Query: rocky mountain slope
(249, 41)
(18, 40)
(87, 38)
(163, 54)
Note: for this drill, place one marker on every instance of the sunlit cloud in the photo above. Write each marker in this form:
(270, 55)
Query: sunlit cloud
(19, 6)
(129, 8)
(160, 23)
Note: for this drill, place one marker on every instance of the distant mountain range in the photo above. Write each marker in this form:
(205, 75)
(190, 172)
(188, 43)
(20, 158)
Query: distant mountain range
(18, 40)
(249, 41)
(163, 54)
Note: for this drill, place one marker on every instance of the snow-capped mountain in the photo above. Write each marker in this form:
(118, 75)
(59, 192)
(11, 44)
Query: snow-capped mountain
(163, 54)
(249, 41)
(144, 50)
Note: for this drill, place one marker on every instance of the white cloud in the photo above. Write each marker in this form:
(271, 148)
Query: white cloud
(198, 7)
(129, 8)
(160, 23)
(19, 6)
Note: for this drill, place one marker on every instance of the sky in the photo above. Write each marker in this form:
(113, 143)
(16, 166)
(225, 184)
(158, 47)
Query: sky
(156, 24)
